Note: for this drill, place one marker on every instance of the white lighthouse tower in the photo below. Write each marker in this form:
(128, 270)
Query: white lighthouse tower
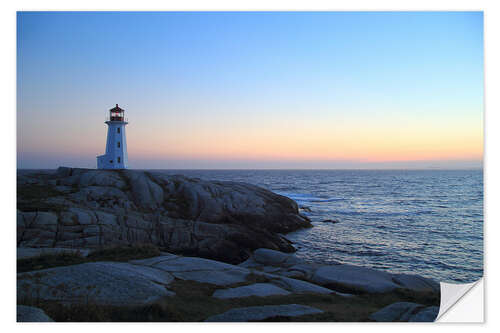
(116, 143)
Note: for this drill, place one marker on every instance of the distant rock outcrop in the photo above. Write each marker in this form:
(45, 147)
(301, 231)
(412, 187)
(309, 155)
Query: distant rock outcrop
(88, 208)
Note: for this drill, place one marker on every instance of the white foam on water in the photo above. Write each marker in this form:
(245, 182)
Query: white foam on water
(305, 198)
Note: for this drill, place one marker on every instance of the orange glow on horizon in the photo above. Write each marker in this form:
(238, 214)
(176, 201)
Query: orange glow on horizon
(364, 143)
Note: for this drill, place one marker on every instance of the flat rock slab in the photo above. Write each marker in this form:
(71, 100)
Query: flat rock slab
(256, 289)
(108, 283)
(184, 264)
(417, 283)
(197, 269)
(31, 314)
(300, 287)
(406, 311)
(263, 312)
(354, 279)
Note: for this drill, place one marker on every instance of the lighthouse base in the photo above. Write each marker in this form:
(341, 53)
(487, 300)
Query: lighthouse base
(107, 162)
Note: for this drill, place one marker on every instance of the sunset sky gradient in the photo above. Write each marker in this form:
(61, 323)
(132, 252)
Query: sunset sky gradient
(253, 90)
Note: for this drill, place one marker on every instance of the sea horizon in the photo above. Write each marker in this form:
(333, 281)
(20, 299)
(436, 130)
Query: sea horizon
(273, 169)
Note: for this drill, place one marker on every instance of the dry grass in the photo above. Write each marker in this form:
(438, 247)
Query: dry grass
(31, 198)
(114, 253)
(124, 253)
(44, 261)
(193, 302)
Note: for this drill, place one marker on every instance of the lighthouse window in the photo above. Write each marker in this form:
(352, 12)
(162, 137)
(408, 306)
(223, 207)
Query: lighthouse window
(118, 130)
(118, 144)
(118, 159)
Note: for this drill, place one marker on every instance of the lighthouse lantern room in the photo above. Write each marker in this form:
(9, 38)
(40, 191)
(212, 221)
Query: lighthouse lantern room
(116, 143)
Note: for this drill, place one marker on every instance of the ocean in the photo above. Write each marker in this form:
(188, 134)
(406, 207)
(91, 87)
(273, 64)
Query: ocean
(426, 222)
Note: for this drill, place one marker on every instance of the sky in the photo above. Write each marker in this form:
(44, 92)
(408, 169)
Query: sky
(252, 90)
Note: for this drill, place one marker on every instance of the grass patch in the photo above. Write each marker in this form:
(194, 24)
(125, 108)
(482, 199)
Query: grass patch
(124, 253)
(30, 198)
(193, 302)
(36, 192)
(103, 313)
(44, 261)
(115, 253)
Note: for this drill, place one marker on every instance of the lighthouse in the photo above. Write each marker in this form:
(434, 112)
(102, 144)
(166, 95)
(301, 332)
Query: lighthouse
(116, 143)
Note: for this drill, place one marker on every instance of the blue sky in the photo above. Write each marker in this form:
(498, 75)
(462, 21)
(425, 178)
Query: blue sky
(253, 90)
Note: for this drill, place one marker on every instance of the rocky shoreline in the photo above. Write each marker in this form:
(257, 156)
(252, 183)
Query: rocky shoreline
(98, 245)
(87, 208)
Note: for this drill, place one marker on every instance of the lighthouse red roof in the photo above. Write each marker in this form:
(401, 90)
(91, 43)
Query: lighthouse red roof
(116, 109)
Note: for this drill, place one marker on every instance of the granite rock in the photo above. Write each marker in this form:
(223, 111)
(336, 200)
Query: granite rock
(406, 311)
(31, 314)
(87, 208)
(105, 283)
(256, 289)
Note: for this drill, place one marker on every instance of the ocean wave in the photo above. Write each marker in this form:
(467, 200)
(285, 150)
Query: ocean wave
(301, 197)
(354, 252)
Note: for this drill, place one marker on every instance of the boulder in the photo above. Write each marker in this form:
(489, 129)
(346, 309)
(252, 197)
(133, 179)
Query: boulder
(106, 283)
(357, 279)
(31, 314)
(406, 311)
(269, 257)
(417, 283)
(256, 289)
(256, 313)
(276, 262)
(354, 279)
